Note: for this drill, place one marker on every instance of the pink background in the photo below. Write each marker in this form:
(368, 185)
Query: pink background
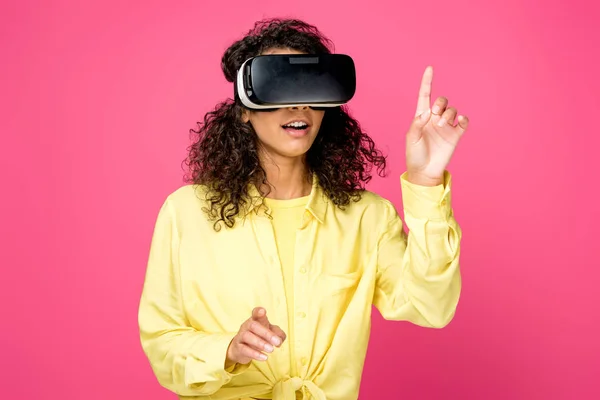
(96, 104)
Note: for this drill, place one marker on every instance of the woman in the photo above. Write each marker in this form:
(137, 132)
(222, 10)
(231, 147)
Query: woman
(263, 270)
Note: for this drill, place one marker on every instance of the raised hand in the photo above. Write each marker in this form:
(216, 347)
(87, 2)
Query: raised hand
(256, 336)
(432, 136)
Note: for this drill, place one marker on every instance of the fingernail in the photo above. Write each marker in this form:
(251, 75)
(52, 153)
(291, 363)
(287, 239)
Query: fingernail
(436, 109)
(268, 348)
(263, 357)
(442, 122)
(276, 341)
(425, 115)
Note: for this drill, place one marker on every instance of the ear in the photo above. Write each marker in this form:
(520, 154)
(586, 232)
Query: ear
(245, 116)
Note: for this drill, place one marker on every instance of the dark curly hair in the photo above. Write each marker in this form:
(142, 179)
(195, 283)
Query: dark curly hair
(224, 155)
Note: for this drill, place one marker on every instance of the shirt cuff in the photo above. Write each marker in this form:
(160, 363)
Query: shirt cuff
(237, 369)
(206, 367)
(429, 202)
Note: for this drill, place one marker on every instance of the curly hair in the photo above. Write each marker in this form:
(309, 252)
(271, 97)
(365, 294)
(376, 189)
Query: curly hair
(224, 154)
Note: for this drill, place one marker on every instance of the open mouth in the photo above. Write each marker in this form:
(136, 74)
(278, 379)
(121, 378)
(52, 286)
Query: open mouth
(297, 125)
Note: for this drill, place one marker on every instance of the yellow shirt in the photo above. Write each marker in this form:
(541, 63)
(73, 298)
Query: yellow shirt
(287, 219)
(201, 285)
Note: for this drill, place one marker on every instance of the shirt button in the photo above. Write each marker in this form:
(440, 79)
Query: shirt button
(301, 314)
(304, 360)
(302, 270)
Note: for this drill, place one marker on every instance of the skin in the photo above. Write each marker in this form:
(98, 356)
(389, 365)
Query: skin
(255, 338)
(432, 137)
(431, 141)
(282, 155)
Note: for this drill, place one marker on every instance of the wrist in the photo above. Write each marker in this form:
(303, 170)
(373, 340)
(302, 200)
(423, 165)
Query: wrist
(420, 180)
(228, 361)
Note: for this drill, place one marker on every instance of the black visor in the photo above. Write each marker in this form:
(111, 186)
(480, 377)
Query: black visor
(288, 80)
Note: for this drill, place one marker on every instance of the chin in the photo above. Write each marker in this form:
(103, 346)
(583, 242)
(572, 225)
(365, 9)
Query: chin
(292, 150)
(293, 153)
(290, 147)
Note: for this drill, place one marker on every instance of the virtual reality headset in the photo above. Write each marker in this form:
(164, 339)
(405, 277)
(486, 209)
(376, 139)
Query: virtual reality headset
(270, 82)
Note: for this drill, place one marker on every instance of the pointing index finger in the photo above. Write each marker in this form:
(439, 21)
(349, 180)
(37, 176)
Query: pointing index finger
(424, 100)
(259, 315)
(258, 312)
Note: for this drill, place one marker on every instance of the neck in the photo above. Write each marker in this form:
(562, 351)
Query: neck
(288, 178)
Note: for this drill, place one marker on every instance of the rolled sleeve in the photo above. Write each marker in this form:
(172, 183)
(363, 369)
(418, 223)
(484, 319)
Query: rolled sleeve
(205, 367)
(430, 202)
(418, 278)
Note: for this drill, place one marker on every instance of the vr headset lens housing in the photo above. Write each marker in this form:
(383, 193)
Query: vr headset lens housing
(284, 80)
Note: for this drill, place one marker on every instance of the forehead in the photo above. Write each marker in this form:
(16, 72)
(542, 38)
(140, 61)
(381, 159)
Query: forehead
(282, 51)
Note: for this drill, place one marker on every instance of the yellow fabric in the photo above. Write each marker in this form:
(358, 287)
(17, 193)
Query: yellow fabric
(201, 285)
(286, 220)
